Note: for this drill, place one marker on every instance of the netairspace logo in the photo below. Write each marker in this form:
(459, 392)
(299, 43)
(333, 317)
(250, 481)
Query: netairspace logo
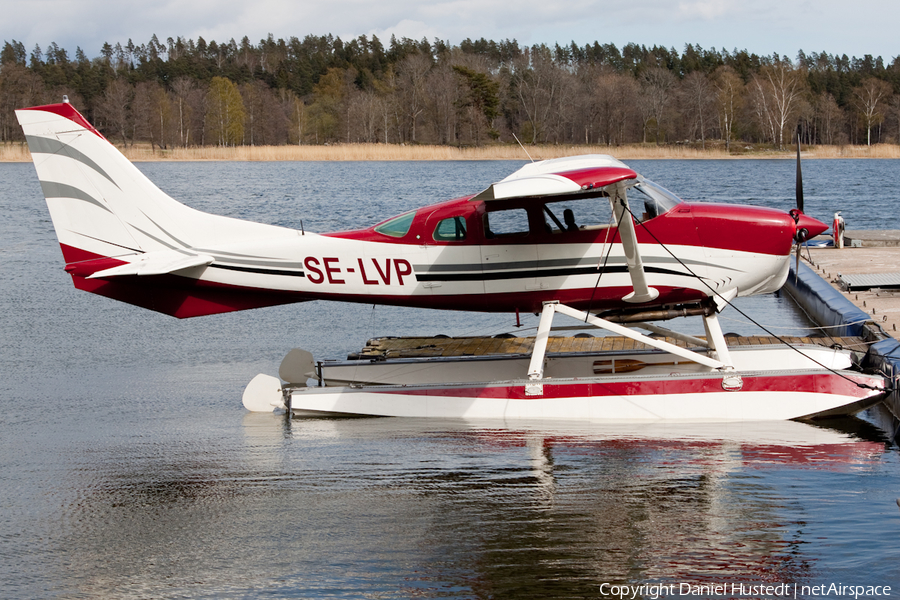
(654, 591)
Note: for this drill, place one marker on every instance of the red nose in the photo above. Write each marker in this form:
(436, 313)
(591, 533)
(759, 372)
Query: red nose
(813, 226)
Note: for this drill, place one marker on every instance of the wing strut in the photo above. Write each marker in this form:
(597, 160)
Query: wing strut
(642, 292)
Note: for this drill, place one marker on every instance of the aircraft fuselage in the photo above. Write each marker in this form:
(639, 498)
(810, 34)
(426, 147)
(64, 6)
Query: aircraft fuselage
(718, 247)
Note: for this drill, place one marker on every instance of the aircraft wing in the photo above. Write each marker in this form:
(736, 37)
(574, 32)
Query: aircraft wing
(581, 175)
(584, 177)
(155, 263)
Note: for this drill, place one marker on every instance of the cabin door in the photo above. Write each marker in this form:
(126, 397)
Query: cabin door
(509, 256)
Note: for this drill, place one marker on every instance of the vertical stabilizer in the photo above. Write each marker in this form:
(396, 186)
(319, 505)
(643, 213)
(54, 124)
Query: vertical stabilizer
(102, 205)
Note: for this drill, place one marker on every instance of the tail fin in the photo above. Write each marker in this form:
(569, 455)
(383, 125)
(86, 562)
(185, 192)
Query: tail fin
(115, 226)
(103, 206)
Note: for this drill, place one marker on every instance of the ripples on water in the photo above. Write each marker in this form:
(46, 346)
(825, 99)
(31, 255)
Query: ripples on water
(131, 470)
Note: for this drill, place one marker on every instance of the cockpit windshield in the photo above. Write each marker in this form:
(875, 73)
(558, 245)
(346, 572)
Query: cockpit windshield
(657, 199)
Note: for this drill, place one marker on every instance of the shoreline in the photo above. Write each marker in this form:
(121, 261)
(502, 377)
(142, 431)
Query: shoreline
(18, 152)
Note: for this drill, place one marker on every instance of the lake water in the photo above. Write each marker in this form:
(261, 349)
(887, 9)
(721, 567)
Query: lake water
(130, 469)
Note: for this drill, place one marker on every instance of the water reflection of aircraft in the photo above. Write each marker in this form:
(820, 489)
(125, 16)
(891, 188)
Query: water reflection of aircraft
(572, 236)
(573, 505)
(837, 444)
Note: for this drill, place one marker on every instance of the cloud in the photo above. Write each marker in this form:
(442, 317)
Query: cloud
(407, 28)
(705, 9)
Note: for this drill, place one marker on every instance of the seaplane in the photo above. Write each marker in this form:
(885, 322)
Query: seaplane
(583, 237)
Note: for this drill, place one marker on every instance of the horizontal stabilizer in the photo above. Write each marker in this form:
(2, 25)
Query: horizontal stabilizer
(155, 263)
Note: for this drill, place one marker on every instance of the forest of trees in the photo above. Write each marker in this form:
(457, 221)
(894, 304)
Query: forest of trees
(322, 89)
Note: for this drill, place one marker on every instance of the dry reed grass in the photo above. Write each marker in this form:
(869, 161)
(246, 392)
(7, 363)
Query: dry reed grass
(18, 152)
(14, 153)
(396, 152)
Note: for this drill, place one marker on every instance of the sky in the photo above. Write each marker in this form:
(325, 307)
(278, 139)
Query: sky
(760, 26)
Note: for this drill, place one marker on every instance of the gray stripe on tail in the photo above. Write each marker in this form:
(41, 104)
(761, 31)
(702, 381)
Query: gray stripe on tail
(52, 189)
(42, 145)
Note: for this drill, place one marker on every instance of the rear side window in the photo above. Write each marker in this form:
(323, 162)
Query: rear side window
(450, 230)
(506, 223)
(398, 226)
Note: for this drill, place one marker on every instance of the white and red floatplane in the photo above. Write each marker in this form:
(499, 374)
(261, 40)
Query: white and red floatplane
(583, 236)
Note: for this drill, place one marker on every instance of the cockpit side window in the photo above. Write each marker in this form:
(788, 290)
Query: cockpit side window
(452, 229)
(577, 215)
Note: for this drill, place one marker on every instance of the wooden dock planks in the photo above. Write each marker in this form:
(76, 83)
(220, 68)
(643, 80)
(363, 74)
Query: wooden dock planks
(409, 347)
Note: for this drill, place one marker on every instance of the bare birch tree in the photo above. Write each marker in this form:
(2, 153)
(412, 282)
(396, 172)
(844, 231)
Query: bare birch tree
(411, 93)
(778, 91)
(585, 104)
(730, 92)
(830, 119)
(443, 103)
(699, 95)
(185, 92)
(365, 111)
(256, 111)
(657, 87)
(114, 108)
(152, 112)
(295, 112)
(618, 99)
(894, 108)
(536, 79)
(870, 99)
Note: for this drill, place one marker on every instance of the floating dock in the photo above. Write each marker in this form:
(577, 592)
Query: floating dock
(868, 277)
(872, 238)
(833, 287)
